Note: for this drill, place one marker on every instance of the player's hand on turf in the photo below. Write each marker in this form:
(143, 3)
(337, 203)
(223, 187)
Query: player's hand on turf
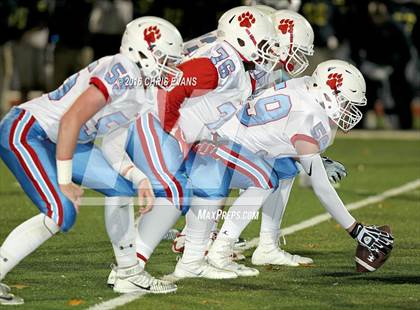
(72, 192)
(146, 196)
(335, 170)
(373, 238)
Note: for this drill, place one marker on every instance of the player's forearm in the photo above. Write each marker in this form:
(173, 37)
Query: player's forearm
(66, 144)
(67, 137)
(325, 192)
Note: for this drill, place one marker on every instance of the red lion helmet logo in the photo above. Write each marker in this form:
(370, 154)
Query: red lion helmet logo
(151, 34)
(286, 26)
(335, 80)
(246, 19)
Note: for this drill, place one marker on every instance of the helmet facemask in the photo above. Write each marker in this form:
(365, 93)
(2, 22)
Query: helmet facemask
(168, 75)
(267, 58)
(297, 60)
(293, 58)
(345, 113)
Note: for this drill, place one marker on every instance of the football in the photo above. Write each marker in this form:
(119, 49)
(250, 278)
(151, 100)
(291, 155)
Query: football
(366, 261)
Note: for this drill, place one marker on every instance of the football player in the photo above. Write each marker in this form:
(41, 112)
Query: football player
(295, 37)
(246, 40)
(300, 122)
(47, 144)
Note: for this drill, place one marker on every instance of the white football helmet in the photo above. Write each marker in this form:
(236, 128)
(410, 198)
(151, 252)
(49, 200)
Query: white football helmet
(340, 89)
(296, 38)
(252, 34)
(155, 45)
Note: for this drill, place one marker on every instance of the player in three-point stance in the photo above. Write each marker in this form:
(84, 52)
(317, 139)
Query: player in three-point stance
(47, 144)
(246, 40)
(300, 123)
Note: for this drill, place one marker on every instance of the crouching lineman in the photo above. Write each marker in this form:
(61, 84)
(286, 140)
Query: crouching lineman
(47, 144)
(297, 124)
(295, 44)
(246, 39)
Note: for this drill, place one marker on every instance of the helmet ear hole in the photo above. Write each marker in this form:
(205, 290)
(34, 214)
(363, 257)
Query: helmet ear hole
(142, 56)
(327, 98)
(241, 42)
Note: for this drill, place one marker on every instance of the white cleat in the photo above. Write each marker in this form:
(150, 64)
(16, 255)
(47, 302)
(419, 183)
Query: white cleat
(220, 256)
(269, 253)
(112, 276)
(201, 269)
(277, 256)
(136, 280)
(7, 298)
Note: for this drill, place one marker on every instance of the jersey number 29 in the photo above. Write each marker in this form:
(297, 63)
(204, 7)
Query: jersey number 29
(266, 109)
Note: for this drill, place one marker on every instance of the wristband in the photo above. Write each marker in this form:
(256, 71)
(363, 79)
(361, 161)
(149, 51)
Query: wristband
(135, 175)
(64, 171)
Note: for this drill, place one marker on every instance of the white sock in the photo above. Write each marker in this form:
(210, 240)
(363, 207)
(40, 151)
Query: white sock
(199, 222)
(214, 223)
(119, 222)
(242, 212)
(153, 225)
(25, 239)
(274, 207)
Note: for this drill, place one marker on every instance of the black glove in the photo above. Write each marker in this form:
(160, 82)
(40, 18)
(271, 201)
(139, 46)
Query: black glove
(373, 238)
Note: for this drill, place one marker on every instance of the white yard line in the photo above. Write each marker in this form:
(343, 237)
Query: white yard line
(116, 302)
(125, 299)
(352, 206)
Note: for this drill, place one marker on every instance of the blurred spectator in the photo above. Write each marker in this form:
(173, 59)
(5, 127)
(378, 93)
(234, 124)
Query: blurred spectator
(69, 32)
(5, 11)
(381, 36)
(107, 24)
(320, 14)
(192, 18)
(28, 20)
(382, 51)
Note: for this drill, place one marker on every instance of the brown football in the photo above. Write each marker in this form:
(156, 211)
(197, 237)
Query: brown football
(365, 261)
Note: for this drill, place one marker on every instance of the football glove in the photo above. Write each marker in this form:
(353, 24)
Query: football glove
(373, 238)
(335, 170)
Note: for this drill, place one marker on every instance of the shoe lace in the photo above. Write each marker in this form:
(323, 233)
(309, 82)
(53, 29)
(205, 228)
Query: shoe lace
(152, 281)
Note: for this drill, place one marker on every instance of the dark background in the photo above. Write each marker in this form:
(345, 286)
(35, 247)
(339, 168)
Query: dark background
(44, 41)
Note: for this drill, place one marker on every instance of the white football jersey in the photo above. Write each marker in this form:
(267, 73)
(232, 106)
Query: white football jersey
(202, 115)
(276, 117)
(191, 46)
(261, 77)
(117, 78)
(264, 79)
